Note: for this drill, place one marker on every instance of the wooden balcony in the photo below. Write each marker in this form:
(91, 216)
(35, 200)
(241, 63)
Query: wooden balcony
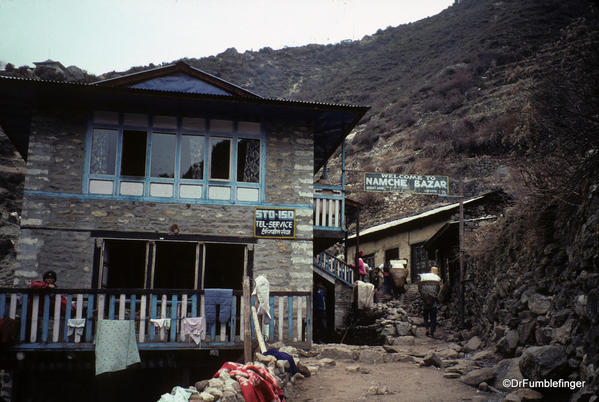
(44, 324)
(334, 267)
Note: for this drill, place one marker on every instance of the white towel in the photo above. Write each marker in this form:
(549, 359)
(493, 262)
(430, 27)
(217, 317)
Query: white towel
(195, 327)
(262, 292)
(161, 322)
(76, 326)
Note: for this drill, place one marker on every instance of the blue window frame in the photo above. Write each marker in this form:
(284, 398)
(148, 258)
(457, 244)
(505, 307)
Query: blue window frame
(146, 157)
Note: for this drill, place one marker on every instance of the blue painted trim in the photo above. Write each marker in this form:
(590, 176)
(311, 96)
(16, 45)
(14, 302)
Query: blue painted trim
(174, 304)
(194, 305)
(343, 183)
(331, 228)
(154, 303)
(271, 302)
(45, 318)
(146, 346)
(290, 317)
(233, 328)
(132, 307)
(327, 187)
(90, 316)
(111, 304)
(213, 332)
(25, 306)
(2, 304)
(328, 197)
(179, 132)
(164, 200)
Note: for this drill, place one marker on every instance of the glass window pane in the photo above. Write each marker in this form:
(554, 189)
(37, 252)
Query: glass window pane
(162, 159)
(248, 160)
(103, 154)
(192, 157)
(133, 160)
(220, 154)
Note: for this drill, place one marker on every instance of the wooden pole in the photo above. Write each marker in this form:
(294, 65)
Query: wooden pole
(461, 255)
(247, 331)
(258, 331)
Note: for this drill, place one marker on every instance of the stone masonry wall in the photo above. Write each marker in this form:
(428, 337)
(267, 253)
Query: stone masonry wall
(55, 230)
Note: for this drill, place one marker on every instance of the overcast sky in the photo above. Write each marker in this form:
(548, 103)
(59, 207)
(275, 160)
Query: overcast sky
(104, 35)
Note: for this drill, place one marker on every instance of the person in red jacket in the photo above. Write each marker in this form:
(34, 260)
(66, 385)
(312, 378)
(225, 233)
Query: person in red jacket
(48, 281)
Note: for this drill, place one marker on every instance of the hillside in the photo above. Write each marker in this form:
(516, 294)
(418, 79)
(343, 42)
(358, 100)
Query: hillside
(498, 94)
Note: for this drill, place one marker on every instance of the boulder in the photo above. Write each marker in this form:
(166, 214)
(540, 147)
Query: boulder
(507, 345)
(539, 304)
(525, 394)
(487, 354)
(507, 369)
(473, 344)
(372, 356)
(404, 341)
(403, 328)
(447, 353)
(339, 352)
(562, 334)
(544, 362)
(432, 359)
(475, 377)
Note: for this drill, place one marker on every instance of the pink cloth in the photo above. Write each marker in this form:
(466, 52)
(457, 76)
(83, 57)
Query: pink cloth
(195, 327)
(361, 267)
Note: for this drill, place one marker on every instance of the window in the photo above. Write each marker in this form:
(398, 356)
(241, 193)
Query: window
(248, 160)
(164, 148)
(103, 154)
(133, 160)
(220, 158)
(192, 157)
(148, 264)
(168, 157)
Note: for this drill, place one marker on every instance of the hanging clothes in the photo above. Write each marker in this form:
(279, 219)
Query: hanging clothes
(195, 327)
(116, 346)
(218, 297)
(76, 326)
(262, 293)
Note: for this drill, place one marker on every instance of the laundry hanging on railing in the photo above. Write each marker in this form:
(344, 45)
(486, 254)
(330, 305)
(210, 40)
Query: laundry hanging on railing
(195, 327)
(161, 322)
(76, 326)
(217, 297)
(116, 346)
(262, 292)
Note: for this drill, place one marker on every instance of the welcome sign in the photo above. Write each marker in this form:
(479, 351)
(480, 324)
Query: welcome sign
(418, 184)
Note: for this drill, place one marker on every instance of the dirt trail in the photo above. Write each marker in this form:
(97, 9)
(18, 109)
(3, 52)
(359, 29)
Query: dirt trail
(400, 378)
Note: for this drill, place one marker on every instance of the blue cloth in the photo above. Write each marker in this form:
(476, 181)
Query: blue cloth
(116, 346)
(217, 297)
(283, 356)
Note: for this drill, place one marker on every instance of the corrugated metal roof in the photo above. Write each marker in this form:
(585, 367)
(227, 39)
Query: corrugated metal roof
(401, 221)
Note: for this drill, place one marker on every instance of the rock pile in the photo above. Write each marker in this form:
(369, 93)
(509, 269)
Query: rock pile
(224, 388)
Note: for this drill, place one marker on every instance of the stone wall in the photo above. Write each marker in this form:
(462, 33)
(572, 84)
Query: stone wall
(56, 225)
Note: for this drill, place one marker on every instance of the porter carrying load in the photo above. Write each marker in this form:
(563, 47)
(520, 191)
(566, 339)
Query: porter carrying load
(398, 272)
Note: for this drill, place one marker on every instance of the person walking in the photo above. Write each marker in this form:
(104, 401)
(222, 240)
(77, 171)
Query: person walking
(429, 287)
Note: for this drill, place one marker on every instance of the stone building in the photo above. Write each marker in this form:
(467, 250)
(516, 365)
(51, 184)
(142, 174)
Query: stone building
(414, 238)
(144, 190)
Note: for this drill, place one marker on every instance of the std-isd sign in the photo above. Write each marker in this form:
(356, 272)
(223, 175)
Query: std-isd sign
(274, 223)
(438, 185)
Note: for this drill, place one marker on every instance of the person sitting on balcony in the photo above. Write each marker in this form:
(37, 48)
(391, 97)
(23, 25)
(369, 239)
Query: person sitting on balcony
(49, 282)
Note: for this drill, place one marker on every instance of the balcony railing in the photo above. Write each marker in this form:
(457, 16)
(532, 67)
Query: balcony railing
(67, 319)
(329, 208)
(335, 267)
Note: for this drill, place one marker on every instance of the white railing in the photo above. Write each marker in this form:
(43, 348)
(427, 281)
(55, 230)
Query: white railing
(49, 319)
(328, 209)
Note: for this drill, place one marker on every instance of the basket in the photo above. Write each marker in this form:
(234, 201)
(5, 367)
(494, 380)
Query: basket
(398, 275)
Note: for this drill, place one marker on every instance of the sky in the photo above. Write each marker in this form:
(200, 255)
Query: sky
(104, 35)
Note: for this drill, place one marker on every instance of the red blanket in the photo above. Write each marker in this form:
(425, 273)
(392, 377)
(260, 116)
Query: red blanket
(257, 384)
